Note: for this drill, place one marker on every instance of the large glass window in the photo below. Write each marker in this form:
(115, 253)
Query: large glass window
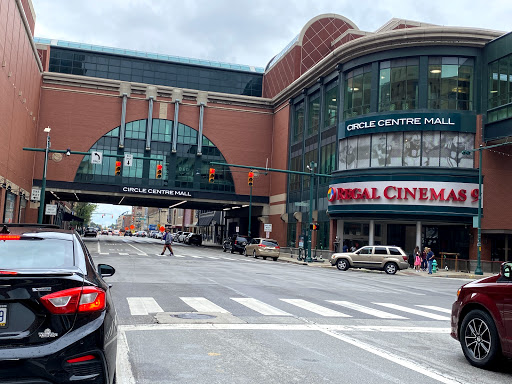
(358, 91)
(500, 89)
(298, 123)
(295, 165)
(308, 158)
(450, 83)
(331, 105)
(314, 114)
(398, 84)
(407, 149)
(327, 160)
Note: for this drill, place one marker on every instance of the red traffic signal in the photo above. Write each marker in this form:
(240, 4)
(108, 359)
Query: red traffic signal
(250, 178)
(159, 168)
(211, 175)
(118, 168)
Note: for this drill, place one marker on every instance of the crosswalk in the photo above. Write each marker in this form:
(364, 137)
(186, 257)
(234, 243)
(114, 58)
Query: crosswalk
(191, 257)
(292, 308)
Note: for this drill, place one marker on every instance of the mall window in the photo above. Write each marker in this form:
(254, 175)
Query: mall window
(136, 129)
(162, 130)
(298, 123)
(450, 83)
(327, 161)
(313, 114)
(331, 105)
(500, 89)
(358, 92)
(295, 165)
(406, 149)
(398, 84)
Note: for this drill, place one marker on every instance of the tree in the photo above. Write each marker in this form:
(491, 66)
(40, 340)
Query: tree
(84, 211)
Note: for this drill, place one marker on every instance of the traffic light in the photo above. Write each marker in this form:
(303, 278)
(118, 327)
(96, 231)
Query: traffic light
(211, 176)
(250, 178)
(118, 168)
(313, 226)
(159, 171)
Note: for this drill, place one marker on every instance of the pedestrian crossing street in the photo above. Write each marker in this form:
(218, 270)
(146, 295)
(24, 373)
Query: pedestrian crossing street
(181, 257)
(294, 308)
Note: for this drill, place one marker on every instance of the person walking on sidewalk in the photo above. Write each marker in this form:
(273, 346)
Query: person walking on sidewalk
(430, 260)
(417, 258)
(168, 242)
(424, 259)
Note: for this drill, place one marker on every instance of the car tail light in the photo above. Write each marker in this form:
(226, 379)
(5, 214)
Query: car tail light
(9, 237)
(8, 273)
(236, 242)
(406, 258)
(81, 359)
(261, 245)
(277, 247)
(86, 299)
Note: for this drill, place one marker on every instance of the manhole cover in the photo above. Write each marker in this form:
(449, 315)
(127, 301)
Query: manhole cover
(194, 316)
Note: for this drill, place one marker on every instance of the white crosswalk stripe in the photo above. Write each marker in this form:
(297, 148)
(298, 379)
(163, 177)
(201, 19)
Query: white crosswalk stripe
(143, 305)
(413, 311)
(195, 257)
(434, 308)
(212, 257)
(315, 308)
(201, 304)
(260, 307)
(367, 310)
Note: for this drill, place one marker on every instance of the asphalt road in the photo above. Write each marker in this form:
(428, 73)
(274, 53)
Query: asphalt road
(204, 316)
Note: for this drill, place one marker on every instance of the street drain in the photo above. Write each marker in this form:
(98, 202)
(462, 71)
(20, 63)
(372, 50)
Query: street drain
(194, 316)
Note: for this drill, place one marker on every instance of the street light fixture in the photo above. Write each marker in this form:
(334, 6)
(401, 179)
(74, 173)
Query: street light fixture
(43, 183)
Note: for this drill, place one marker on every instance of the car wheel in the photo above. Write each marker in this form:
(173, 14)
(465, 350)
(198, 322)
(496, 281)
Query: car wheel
(274, 258)
(479, 339)
(264, 257)
(254, 254)
(223, 248)
(390, 268)
(245, 252)
(232, 250)
(342, 264)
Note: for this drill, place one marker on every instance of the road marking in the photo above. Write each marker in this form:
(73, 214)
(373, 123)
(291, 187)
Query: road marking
(259, 306)
(196, 257)
(99, 247)
(212, 257)
(414, 311)
(178, 255)
(124, 374)
(200, 304)
(141, 252)
(367, 310)
(434, 308)
(123, 254)
(143, 305)
(105, 253)
(229, 258)
(315, 308)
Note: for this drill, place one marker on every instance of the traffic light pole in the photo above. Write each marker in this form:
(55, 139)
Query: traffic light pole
(311, 174)
(250, 211)
(43, 182)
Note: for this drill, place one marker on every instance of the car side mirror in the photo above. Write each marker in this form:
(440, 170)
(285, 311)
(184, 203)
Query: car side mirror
(106, 270)
(506, 271)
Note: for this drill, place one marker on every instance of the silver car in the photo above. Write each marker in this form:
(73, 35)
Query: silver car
(382, 257)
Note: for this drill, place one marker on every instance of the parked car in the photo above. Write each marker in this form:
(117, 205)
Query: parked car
(262, 247)
(128, 233)
(482, 318)
(90, 231)
(181, 238)
(141, 234)
(116, 232)
(236, 243)
(176, 235)
(158, 235)
(194, 238)
(104, 232)
(382, 257)
(57, 317)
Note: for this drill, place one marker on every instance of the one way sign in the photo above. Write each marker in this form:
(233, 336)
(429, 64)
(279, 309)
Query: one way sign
(128, 160)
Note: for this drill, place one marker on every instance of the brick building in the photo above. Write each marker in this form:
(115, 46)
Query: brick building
(386, 113)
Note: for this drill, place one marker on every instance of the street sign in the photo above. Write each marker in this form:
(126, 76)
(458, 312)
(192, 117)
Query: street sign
(301, 204)
(96, 157)
(128, 159)
(268, 234)
(51, 209)
(267, 228)
(36, 194)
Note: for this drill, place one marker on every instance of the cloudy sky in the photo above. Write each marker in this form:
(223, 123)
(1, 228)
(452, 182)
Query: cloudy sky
(239, 31)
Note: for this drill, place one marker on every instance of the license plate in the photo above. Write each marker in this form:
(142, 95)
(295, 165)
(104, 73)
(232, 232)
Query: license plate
(3, 316)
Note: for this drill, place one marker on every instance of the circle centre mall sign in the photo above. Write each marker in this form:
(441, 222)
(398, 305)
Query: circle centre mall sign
(404, 193)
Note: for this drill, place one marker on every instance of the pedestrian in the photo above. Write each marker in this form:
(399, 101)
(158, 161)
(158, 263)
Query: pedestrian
(337, 244)
(430, 260)
(424, 259)
(168, 242)
(417, 258)
(345, 247)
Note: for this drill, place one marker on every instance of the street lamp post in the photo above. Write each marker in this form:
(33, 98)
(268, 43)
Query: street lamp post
(43, 183)
(478, 270)
(311, 168)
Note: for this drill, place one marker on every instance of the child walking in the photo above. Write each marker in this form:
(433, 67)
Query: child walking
(417, 259)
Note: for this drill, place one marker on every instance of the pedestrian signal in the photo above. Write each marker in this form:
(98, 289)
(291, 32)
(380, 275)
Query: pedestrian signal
(250, 178)
(118, 168)
(159, 171)
(313, 227)
(211, 176)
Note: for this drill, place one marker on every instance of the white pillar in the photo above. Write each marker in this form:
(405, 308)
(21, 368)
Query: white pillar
(418, 235)
(339, 232)
(371, 233)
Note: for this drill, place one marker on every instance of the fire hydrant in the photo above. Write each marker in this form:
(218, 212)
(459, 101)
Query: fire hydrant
(434, 266)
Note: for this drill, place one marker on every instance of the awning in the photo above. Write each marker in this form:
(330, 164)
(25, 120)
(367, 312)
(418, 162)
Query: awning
(205, 221)
(71, 217)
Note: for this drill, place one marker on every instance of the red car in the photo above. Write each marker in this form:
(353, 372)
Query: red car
(482, 318)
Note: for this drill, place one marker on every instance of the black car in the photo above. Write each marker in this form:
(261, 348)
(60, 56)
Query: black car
(58, 323)
(236, 243)
(90, 232)
(194, 238)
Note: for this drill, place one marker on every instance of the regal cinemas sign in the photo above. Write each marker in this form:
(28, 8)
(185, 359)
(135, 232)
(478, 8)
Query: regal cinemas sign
(405, 193)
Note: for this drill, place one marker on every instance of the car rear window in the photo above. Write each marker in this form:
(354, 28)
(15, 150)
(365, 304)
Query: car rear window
(381, 251)
(36, 254)
(395, 251)
(269, 243)
(241, 238)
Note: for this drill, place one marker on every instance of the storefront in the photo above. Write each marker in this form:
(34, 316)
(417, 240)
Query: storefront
(10, 200)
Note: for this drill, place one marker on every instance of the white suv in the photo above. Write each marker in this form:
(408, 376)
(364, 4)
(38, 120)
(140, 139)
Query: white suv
(382, 257)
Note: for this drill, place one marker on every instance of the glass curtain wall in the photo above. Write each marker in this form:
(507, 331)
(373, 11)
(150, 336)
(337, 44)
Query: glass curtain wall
(500, 89)
(398, 84)
(298, 124)
(358, 85)
(331, 105)
(313, 115)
